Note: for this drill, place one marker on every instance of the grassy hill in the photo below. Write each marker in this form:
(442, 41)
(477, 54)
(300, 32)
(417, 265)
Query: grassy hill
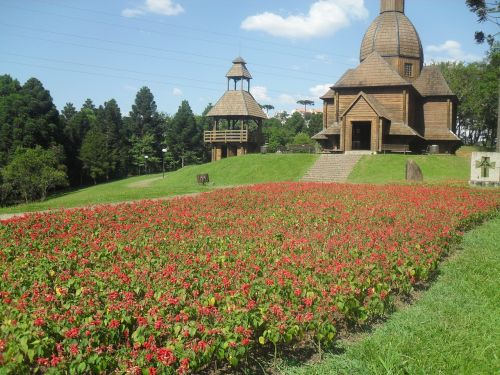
(251, 169)
(248, 169)
(390, 168)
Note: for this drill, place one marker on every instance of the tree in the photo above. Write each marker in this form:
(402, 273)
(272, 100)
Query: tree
(184, 137)
(28, 117)
(305, 103)
(282, 116)
(276, 135)
(296, 123)
(144, 115)
(145, 119)
(75, 129)
(267, 107)
(485, 12)
(142, 153)
(93, 154)
(33, 171)
(302, 139)
(488, 12)
(315, 124)
(476, 86)
(110, 123)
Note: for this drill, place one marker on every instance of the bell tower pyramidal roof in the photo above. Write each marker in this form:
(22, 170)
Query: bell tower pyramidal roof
(237, 102)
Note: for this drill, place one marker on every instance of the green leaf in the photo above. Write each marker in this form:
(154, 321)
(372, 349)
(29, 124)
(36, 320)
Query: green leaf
(81, 367)
(23, 343)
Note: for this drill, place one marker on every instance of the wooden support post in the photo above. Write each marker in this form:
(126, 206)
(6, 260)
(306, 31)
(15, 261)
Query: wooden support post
(405, 109)
(380, 134)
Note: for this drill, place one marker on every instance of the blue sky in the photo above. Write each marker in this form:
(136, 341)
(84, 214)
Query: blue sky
(182, 49)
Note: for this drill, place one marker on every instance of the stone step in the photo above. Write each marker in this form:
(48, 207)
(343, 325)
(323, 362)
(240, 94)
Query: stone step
(332, 168)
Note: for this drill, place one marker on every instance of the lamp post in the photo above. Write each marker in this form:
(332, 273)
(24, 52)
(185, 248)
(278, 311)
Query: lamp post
(163, 152)
(146, 163)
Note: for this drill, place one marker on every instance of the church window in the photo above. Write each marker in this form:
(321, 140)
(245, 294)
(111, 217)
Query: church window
(408, 70)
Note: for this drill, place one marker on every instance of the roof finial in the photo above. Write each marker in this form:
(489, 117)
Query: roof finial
(392, 6)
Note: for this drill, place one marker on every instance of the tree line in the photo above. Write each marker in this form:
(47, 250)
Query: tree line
(477, 88)
(42, 149)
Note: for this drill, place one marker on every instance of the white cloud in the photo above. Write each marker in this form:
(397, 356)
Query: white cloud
(130, 13)
(320, 90)
(287, 99)
(176, 91)
(163, 7)
(450, 50)
(260, 94)
(130, 88)
(325, 17)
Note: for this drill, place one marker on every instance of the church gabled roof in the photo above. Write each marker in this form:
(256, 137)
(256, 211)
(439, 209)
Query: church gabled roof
(332, 130)
(399, 128)
(373, 71)
(377, 107)
(237, 103)
(432, 83)
(330, 94)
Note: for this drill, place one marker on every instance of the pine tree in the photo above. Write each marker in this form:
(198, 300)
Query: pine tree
(94, 156)
(184, 136)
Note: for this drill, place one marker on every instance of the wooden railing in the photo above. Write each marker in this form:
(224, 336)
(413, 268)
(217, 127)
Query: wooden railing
(225, 136)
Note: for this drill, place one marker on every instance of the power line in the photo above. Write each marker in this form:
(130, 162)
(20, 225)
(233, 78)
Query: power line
(219, 89)
(114, 68)
(114, 42)
(106, 75)
(184, 36)
(203, 31)
(146, 55)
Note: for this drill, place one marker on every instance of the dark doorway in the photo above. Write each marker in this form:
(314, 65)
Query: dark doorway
(224, 152)
(361, 135)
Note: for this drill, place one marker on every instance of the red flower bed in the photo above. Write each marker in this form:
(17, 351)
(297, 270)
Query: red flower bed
(172, 286)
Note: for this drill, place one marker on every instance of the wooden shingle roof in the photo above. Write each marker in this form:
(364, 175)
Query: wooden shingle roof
(330, 94)
(432, 83)
(399, 128)
(332, 130)
(377, 107)
(440, 134)
(373, 71)
(237, 103)
(239, 69)
(392, 34)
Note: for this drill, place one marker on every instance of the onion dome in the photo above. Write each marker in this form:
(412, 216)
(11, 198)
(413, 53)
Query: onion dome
(392, 35)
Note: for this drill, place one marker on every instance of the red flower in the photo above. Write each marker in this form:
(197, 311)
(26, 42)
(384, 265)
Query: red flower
(184, 367)
(166, 356)
(39, 322)
(114, 324)
(72, 333)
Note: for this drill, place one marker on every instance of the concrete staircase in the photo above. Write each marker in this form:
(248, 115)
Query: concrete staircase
(332, 168)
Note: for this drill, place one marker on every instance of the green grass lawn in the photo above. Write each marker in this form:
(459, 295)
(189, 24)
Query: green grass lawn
(248, 169)
(390, 168)
(452, 329)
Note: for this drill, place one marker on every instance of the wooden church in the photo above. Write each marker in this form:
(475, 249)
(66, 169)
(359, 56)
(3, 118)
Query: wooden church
(391, 101)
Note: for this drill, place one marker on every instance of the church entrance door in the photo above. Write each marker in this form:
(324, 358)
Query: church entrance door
(361, 135)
